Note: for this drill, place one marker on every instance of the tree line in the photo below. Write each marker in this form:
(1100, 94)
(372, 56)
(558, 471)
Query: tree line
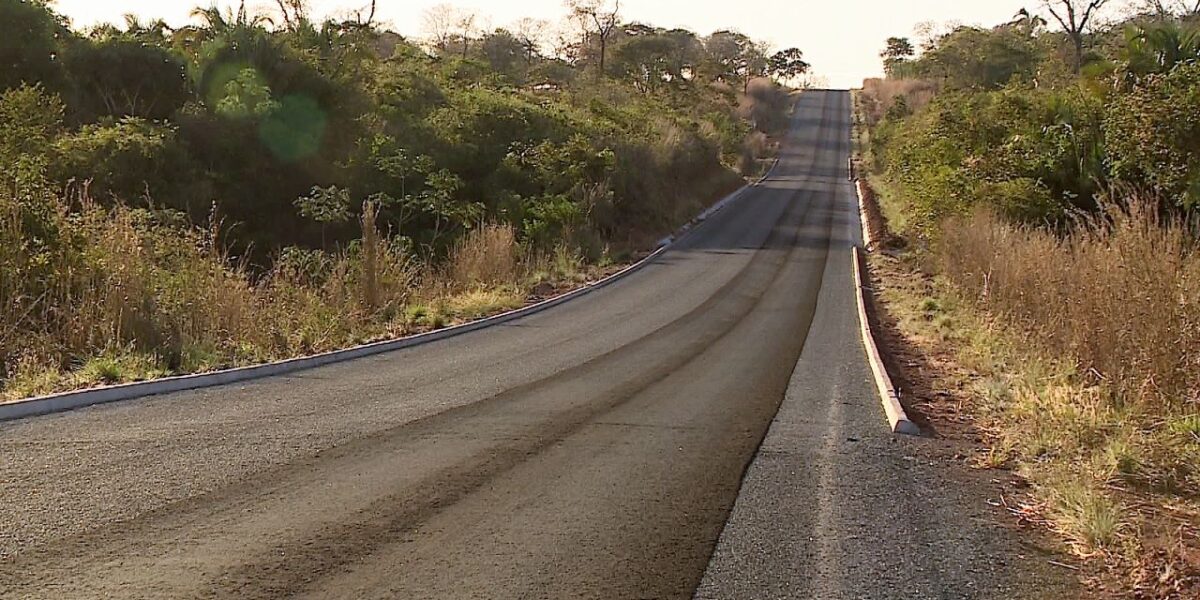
(281, 125)
(262, 185)
(1048, 113)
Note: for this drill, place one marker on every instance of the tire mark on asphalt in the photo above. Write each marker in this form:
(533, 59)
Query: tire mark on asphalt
(380, 522)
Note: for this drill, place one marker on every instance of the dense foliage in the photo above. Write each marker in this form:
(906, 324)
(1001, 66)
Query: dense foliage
(247, 188)
(241, 118)
(1012, 126)
(1052, 184)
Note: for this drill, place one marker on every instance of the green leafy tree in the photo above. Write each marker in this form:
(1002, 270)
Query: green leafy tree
(646, 57)
(896, 54)
(32, 39)
(126, 77)
(132, 160)
(329, 205)
(733, 57)
(505, 54)
(30, 121)
(971, 57)
(246, 95)
(1153, 135)
(788, 64)
(1158, 48)
(439, 201)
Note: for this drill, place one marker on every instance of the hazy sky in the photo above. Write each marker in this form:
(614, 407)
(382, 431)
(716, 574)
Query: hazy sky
(841, 38)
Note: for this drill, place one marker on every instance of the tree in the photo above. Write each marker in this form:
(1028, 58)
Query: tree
(687, 51)
(971, 57)
(31, 120)
(294, 12)
(788, 64)
(217, 23)
(898, 51)
(1153, 136)
(504, 52)
(121, 77)
(31, 36)
(438, 24)
(1165, 8)
(733, 56)
(131, 159)
(1027, 22)
(155, 32)
(445, 24)
(1075, 17)
(531, 33)
(327, 206)
(599, 19)
(1158, 48)
(643, 55)
(466, 23)
(246, 96)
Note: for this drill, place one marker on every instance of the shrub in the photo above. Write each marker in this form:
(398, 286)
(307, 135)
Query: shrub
(1154, 135)
(131, 160)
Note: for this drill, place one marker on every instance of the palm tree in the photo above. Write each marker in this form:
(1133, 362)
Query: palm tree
(1027, 22)
(156, 31)
(218, 23)
(1159, 47)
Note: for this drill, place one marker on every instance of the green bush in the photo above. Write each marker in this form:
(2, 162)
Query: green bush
(1154, 135)
(131, 159)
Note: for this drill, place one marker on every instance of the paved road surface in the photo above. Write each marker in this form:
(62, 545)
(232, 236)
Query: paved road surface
(593, 450)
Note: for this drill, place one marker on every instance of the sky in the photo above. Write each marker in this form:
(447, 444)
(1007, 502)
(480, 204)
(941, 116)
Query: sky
(840, 38)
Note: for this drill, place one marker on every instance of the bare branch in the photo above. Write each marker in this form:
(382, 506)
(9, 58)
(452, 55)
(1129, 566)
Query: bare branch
(1075, 17)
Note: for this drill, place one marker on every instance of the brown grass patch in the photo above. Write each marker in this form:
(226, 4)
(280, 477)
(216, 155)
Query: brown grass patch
(1069, 358)
(487, 255)
(878, 96)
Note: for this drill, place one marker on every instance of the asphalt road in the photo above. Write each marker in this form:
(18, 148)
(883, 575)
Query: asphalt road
(593, 450)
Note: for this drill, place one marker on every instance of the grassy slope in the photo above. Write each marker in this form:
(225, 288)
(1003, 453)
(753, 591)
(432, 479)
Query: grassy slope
(1112, 465)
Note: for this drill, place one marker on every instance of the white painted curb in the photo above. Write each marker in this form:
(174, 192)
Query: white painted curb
(53, 403)
(887, 392)
(868, 235)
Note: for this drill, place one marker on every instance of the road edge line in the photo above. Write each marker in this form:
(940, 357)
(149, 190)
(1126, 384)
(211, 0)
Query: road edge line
(887, 391)
(65, 401)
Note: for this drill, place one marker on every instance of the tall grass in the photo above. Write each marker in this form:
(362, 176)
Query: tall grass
(94, 294)
(1120, 295)
(1088, 363)
(878, 96)
(487, 255)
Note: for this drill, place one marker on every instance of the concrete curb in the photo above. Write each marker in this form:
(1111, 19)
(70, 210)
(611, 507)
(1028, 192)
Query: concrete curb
(65, 401)
(868, 234)
(887, 392)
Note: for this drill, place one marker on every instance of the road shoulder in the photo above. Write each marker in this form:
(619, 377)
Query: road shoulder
(836, 506)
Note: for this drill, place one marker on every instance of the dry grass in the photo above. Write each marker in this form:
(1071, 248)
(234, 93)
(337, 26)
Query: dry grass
(876, 222)
(878, 96)
(487, 255)
(1086, 455)
(482, 302)
(122, 296)
(117, 295)
(765, 104)
(1084, 375)
(1120, 295)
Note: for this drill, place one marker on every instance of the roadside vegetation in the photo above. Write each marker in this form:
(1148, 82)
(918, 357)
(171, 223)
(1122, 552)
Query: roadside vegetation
(258, 186)
(1047, 193)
